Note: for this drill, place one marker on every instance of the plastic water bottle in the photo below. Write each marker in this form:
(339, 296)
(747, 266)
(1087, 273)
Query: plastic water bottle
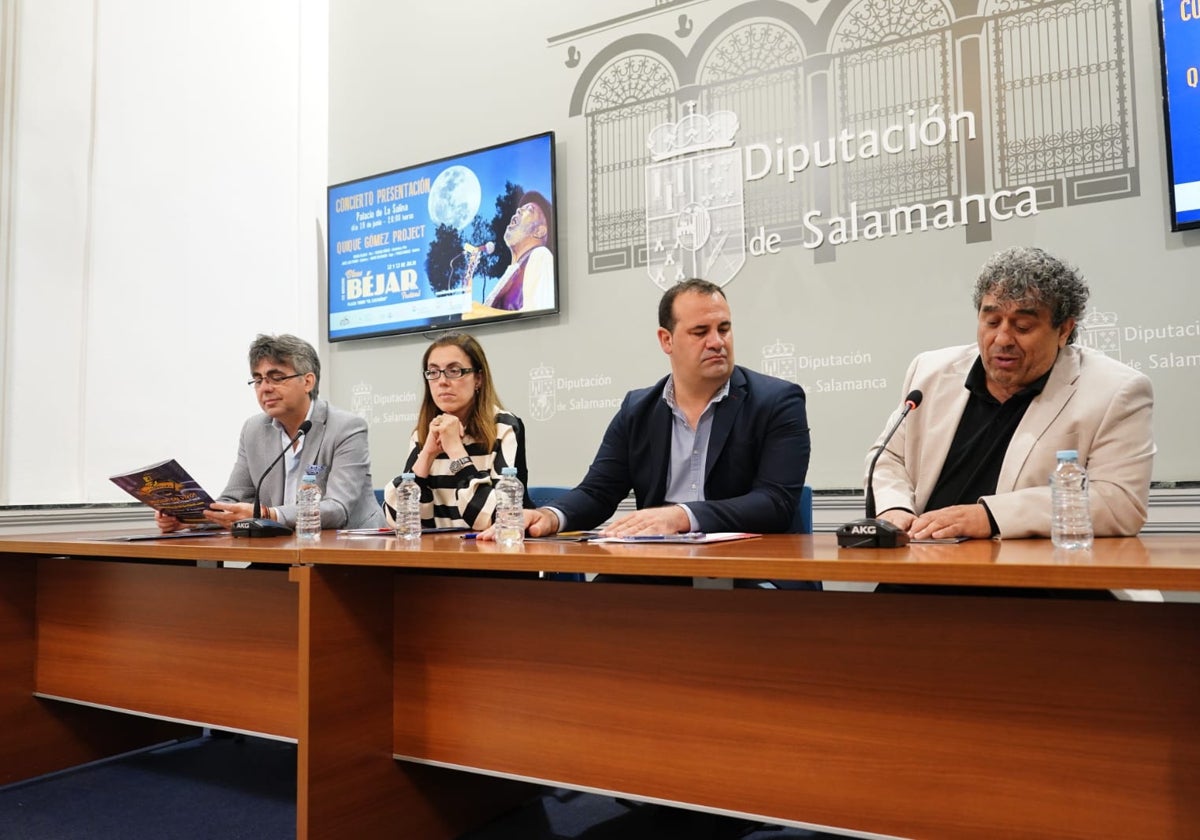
(1070, 512)
(408, 509)
(308, 504)
(510, 509)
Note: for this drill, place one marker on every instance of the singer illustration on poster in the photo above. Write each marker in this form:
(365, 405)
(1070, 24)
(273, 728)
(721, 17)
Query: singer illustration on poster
(528, 283)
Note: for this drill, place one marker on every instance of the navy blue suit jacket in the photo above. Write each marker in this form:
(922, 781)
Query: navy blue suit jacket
(757, 458)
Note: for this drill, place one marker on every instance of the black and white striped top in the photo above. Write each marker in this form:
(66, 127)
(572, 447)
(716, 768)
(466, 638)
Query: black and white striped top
(465, 499)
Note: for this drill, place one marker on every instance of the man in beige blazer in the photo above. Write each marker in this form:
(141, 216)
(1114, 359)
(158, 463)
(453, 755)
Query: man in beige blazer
(975, 459)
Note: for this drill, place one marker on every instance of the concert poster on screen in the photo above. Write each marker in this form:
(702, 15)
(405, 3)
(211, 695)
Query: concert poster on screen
(1180, 43)
(168, 487)
(427, 247)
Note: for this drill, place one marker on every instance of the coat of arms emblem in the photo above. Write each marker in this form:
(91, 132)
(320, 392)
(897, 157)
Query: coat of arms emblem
(542, 397)
(695, 215)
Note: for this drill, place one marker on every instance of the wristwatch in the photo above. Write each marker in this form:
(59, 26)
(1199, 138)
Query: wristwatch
(459, 464)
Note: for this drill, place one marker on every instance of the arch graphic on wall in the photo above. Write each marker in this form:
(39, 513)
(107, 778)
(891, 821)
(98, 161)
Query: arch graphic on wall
(1049, 113)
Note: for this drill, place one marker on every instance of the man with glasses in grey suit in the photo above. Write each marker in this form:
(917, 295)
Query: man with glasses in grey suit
(285, 374)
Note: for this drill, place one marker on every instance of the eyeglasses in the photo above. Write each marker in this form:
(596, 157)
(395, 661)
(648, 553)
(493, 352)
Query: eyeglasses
(450, 372)
(273, 377)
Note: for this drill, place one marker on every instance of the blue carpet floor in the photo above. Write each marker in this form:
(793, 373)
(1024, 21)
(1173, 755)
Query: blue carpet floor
(218, 788)
(229, 789)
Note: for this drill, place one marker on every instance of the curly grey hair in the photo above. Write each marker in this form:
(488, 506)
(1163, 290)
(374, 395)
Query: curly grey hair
(288, 350)
(1030, 274)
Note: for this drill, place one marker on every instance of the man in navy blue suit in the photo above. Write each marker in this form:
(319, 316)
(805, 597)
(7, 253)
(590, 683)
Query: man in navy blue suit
(711, 447)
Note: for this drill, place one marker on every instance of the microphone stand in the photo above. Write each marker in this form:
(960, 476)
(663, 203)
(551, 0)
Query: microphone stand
(872, 532)
(257, 525)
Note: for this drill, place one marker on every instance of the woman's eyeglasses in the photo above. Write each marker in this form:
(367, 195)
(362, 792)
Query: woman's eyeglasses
(450, 372)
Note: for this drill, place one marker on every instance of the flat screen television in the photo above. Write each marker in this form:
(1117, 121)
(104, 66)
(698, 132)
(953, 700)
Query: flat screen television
(449, 244)
(1179, 37)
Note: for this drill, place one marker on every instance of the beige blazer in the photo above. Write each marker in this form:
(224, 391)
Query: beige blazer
(1091, 403)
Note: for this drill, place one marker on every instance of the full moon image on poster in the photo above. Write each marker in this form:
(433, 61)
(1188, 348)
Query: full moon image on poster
(455, 196)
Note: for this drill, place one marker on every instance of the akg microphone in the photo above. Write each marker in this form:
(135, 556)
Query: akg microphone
(258, 526)
(485, 248)
(872, 532)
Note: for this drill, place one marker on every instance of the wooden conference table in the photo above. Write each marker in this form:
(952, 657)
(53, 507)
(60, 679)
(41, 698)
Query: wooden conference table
(396, 669)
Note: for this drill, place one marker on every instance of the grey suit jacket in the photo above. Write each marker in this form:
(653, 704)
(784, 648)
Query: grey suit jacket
(1091, 403)
(337, 441)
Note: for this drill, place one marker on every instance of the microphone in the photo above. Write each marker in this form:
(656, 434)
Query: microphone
(257, 526)
(871, 532)
(485, 248)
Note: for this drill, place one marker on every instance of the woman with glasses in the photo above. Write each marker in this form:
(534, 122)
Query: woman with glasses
(462, 441)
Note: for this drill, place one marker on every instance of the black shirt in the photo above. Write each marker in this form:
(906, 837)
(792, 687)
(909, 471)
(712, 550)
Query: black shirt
(981, 440)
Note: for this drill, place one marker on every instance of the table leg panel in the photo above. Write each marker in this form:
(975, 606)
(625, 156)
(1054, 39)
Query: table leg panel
(349, 783)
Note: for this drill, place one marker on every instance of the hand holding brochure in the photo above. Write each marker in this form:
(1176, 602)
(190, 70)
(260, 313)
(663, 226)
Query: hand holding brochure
(692, 537)
(168, 487)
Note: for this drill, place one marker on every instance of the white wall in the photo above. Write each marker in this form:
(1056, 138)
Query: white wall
(163, 187)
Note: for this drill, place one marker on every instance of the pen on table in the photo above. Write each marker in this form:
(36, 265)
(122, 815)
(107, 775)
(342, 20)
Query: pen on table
(690, 535)
(366, 531)
(470, 536)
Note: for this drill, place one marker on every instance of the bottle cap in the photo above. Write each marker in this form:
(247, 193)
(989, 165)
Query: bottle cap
(1068, 455)
(509, 471)
(408, 476)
